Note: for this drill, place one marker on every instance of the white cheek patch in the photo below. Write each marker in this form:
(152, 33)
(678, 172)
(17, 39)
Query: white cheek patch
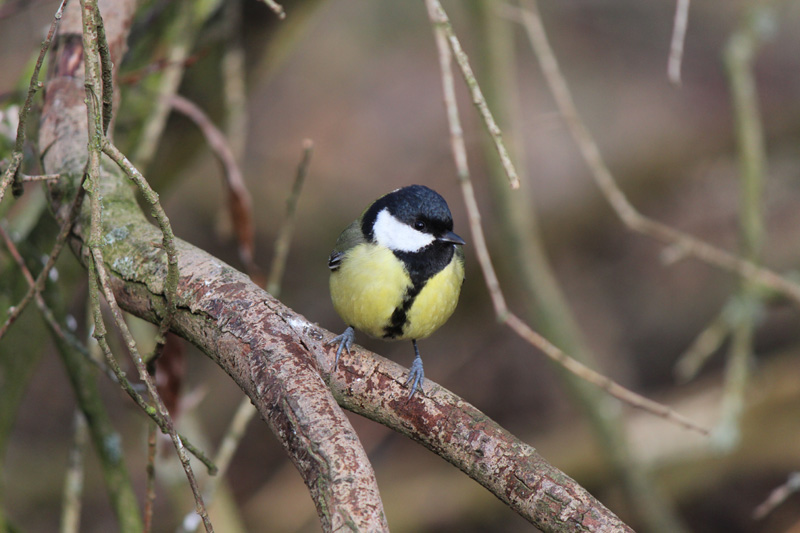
(397, 236)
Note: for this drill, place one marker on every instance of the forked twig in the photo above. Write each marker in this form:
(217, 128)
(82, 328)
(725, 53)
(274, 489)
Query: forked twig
(439, 18)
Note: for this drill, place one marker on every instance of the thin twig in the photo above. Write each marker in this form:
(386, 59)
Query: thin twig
(605, 383)
(148, 409)
(548, 308)
(45, 310)
(501, 309)
(240, 203)
(276, 8)
(182, 31)
(284, 237)
(778, 496)
(106, 69)
(106, 441)
(440, 20)
(244, 413)
(150, 485)
(230, 443)
(101, 279)
(531, 20)
(73, 480)
(167, 240)
(26, 273)
(678, 39)
(11, 171)
(234, 77)
(703, 347)
(40, 177)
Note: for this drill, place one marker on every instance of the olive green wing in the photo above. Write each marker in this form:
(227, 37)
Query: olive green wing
(350, 237)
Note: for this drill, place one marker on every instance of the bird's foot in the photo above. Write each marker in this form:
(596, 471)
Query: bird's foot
(345, 340)
(416, 375)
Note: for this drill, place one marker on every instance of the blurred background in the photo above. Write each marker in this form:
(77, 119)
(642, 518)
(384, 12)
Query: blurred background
(361, 79)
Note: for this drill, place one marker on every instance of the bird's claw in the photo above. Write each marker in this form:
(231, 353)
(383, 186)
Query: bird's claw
(345, 341)
(416, 376)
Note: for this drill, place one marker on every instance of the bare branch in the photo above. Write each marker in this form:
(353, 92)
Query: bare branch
(184, 28)
(113, 371)
(284, 238)
(123, 499)
(240, 203)
(739, 56)
(604, 382)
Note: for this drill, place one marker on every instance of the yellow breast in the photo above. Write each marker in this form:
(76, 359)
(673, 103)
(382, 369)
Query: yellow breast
(371, 282)
(436, 302)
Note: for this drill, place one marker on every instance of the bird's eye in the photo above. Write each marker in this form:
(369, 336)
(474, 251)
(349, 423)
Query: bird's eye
(420, 225)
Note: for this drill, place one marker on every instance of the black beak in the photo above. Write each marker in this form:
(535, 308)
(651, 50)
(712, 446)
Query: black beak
(452, 237)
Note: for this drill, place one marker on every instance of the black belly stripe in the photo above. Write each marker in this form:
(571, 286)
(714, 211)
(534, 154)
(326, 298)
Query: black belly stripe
(420, 266)
(400, 314)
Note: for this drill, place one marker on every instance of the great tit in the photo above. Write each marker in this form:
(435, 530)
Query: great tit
(397, 271)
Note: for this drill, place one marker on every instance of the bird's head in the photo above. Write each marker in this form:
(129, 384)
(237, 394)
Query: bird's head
(409, 220)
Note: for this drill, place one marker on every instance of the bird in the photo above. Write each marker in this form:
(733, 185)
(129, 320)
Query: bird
(397, 271)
